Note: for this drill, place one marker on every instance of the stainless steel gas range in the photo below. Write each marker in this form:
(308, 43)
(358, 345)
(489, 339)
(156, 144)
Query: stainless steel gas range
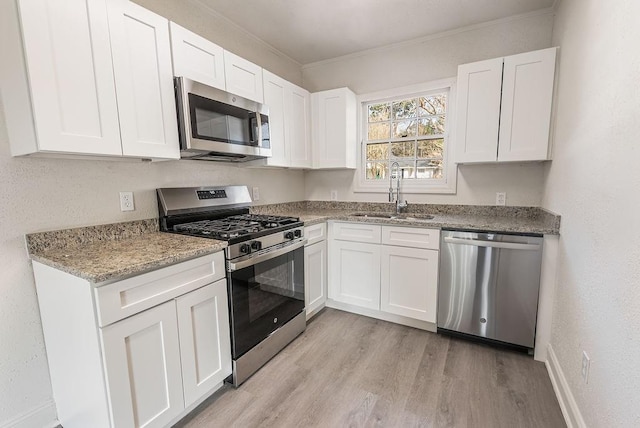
(264, 262)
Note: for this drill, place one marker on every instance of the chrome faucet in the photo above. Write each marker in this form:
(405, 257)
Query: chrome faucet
(400, 205)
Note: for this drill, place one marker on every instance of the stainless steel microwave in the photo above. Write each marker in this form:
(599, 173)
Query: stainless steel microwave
(216, 125)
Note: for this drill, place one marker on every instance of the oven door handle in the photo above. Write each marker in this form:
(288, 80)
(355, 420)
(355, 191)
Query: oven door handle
(253, 260)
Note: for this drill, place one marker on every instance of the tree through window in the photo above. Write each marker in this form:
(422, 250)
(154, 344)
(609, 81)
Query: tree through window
(410, 131)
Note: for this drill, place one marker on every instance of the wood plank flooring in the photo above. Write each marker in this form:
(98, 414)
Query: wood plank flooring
(347, 370)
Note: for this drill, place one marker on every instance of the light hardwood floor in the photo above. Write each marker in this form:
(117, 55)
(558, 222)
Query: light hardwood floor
(350, 370)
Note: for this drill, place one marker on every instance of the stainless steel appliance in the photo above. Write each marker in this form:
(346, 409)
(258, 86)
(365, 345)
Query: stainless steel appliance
(217, 125)
(264, 262)
(489, 286)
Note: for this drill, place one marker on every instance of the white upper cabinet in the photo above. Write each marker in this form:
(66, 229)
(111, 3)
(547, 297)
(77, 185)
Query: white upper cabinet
(197, 58)
(504, 108)
(144, 81)
(299, 127)
(525, 115)
(275, 98)
(334, 129)
(242, 77)
(91, 78)
(70, 78)
(479, 86)
(288, 123)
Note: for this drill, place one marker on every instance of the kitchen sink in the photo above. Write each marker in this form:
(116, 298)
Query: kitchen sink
(395, 216)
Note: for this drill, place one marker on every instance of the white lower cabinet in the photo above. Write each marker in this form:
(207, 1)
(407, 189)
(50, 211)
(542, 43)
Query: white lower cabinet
(142, 365)
(355, 273)
(315, 268)
(409, 282)
(315, 277)
(164, 359)
(391, 272)
(205, 343)
(139, 352)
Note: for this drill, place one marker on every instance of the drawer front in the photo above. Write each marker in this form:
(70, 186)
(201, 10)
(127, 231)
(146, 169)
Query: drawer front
(414, 237)
(130, 296)
(357, 232)
(315, 233)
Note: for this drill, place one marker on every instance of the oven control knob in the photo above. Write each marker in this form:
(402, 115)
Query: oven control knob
(288, 235)
(256, 245)
(245, 248)
(297, 233)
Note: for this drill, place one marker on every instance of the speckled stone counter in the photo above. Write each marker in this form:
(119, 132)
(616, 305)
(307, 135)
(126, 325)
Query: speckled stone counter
(529, 220)
(115, 251)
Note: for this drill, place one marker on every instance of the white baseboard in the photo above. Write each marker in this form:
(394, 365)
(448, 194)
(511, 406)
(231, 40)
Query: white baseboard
(44, 416)
(568, 405)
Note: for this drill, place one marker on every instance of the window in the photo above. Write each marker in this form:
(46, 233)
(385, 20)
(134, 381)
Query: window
(411, 130)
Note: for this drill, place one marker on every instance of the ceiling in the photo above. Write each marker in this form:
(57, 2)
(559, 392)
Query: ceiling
(309, 31)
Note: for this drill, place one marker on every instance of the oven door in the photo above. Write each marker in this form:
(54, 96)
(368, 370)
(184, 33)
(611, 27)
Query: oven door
(265, 293)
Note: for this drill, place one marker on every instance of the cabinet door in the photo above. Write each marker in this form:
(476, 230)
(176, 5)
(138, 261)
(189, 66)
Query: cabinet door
(527, 95)
(478, 106)
(299, 126)
(315, 276)
(142, 365)
(144, 81)
(68, 56)
(275, 97)
(205, 344)
(242, 77)
(196, 58)
(409, 282)
(334, 129)
(354, 276)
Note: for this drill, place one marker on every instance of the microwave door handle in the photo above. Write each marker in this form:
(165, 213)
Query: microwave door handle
(259, 128)
(255, 129)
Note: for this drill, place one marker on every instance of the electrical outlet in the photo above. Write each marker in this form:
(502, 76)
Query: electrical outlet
(256, 194)
(334, 195)
(501, 199)
(586, 362)
(126, 201)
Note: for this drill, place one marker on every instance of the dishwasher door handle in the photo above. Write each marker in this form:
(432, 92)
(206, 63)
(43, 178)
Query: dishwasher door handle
(492, 244)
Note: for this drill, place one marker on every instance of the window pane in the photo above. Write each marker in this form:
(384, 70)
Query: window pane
(431, 126)
(436, 104)
(378, 112)
(403, 150)
(406, 128)
(430, 148)
(378, 131)
(404, 109)
(408, 169)
(378, 151)
(377, 171)
(429, 169)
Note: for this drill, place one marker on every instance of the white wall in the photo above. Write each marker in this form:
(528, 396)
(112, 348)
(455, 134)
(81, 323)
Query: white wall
(47, 194)
(193, 15)
(426, 60)
(594, 184)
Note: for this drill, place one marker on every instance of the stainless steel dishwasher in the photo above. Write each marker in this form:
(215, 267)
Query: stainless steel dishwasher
(489, 286)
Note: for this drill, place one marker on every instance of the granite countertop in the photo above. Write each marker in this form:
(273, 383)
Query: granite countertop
(111, 252)
(528, 220)
(108, 253)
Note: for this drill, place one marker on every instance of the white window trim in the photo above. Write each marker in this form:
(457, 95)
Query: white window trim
(445, 186)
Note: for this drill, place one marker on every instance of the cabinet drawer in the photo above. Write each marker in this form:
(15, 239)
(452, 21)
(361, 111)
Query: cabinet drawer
(315, 233)
(414, 237)
(130, 296)
(357, 232)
